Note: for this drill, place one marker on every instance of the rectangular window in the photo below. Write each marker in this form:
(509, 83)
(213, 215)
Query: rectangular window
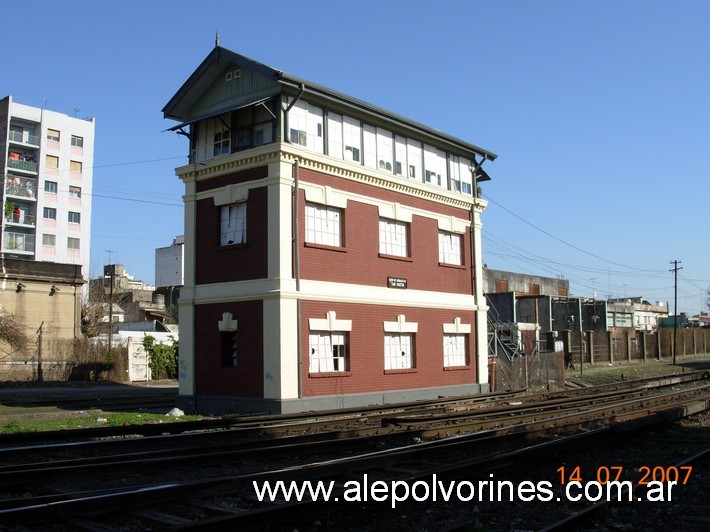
(434, 166)
(400, 155)
(323, 225)
(74, 217)
(454, 350)
(228, 349)
(222, 141)
(50, 187)
(233, 224)
(49, 213)
(369, 147)
(51, 161)
(450, 248)
(385, 149)
(399, 351)
(263, 133)
(73, 243)
(77, 142)
(49, 240)
(454, 174)
(306, 125)
(53, 135)
(75, 192)
(414, 159)
(327, 352)
(352, 139)
(335, 135)
(393, 238)
(75, 167)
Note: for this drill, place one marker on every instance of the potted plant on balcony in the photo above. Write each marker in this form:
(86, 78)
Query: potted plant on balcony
(9, 208)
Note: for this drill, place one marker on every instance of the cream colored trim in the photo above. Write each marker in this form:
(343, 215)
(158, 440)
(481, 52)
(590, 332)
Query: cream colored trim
(330, 323)
(230, 194)
(325, 291)
(395, 211)
(457, 327)
(287, 152)
(325, 195)
(386, 209)
(227, 323)
(401, 325)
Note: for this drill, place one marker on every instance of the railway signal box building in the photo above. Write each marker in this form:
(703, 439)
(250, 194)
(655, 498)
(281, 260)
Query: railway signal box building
(332, 248)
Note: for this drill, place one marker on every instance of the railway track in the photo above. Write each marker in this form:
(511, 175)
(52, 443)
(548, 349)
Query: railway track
(200, 486)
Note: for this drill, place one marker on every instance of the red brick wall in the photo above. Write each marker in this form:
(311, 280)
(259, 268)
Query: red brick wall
(234, 178)
(366, 350)
(215, 263)
(246, 380)
(358, 262)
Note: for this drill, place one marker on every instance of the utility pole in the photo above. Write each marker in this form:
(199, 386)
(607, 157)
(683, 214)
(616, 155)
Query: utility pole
(40, 374)
(675, 305)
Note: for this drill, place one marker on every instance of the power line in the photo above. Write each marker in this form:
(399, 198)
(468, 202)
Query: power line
(577, 248)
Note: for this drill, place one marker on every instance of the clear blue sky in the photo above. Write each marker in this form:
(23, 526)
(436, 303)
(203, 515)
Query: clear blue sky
(599, 112)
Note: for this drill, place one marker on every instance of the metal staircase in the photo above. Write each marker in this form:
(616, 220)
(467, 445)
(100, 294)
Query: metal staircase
(503, 337)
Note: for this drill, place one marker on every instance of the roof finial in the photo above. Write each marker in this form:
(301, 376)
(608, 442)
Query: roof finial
(216, 39)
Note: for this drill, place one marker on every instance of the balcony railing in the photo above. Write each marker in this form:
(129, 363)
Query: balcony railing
(24, 137)
(21, 187)
(18, 242)
(21, 218)
(28, 166)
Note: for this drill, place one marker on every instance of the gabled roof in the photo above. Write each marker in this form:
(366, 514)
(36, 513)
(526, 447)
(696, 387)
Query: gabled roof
(179, 106)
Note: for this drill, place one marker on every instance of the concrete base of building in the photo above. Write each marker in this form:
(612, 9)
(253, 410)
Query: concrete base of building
(209, 404)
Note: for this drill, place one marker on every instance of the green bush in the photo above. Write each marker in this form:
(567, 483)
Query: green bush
(163, 358)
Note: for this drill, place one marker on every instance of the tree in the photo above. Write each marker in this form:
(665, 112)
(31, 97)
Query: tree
(12, 331)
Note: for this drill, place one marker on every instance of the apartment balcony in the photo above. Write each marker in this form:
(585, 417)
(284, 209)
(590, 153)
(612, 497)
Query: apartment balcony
(21, 187)
(24, 137)
(18, 243)
(23, 165)
(21, 218)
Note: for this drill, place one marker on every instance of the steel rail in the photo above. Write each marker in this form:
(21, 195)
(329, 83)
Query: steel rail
(330, 467)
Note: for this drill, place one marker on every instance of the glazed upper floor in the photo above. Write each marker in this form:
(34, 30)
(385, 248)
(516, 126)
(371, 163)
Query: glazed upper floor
(231, 103)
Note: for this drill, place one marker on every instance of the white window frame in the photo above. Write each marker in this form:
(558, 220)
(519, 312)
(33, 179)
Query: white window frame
(385, 150)
(73, 243)
(450, 248)
(49, 213)
(49, 240)
(394, 238)
(77, 141)
(327, 352)
(399, 351)
(50, 187)
(352, 140)
(324, 225)
(454, 350)
(74, 217)
(75, 192)
(233, 224)
(221, 141)
(53, 135)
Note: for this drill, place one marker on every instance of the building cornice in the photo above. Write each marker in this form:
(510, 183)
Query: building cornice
(290, 153)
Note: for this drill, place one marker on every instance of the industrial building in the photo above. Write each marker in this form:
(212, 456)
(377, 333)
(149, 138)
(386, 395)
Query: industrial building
(332, 249)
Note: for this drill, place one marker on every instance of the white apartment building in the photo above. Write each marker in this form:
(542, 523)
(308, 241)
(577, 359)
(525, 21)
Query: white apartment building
(46, 165)
(170, 264)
